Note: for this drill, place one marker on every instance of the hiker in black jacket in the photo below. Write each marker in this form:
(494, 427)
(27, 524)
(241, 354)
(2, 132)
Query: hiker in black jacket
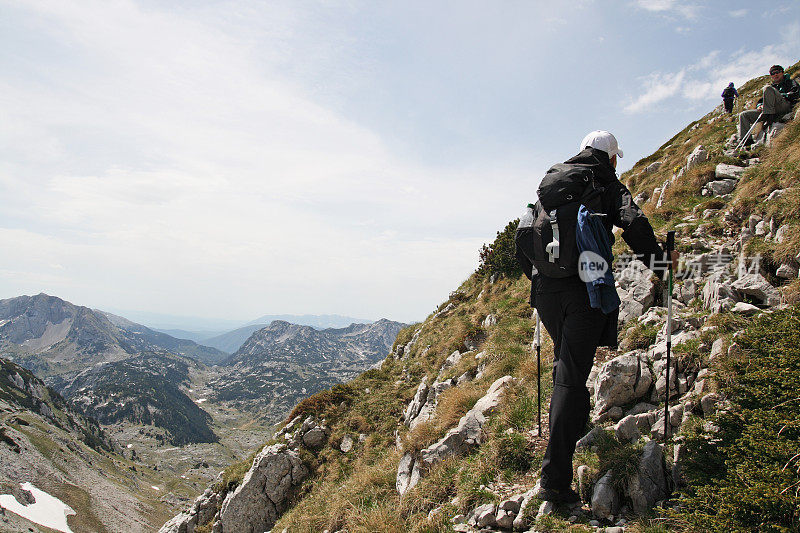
(575, 327)
(779, 98)
(728, 94)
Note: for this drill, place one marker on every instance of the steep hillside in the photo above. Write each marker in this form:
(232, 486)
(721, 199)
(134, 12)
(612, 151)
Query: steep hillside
(44, 442)
(282, 363)
(444, 435)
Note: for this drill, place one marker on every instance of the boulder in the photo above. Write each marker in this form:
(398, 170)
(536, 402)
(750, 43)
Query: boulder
(265, 492)
(417, 402)
(347, 444)
(484, 516)
(649, 484)
(315, 437)
(723, 171)
(744, 308)
(588, 439)
(786, 271)
(636, 290)
(520, 522)
(752, 222)
(627, 429)
(698, 155)
(758, 287)
(715, 294)
(710, 404)
(721, 187)
(451, 361)
(407, 475)
(620, 381)
(428, 408)
(605, 500)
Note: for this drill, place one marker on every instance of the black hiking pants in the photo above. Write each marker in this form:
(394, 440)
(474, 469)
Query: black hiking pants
(576, 330)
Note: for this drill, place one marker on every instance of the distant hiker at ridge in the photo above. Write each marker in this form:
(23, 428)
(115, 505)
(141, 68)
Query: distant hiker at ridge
(728, 95)
(778, 99)
(580, 201)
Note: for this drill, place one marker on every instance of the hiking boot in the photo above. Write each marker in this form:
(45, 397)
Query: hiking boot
(768, 119)
(567, 495)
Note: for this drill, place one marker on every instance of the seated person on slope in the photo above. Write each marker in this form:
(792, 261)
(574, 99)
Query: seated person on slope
(778, 99)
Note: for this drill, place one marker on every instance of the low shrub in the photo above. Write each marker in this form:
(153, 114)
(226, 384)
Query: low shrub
(499, 257)
(745, 476)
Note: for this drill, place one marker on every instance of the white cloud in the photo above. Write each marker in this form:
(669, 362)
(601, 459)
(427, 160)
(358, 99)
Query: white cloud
(705, 79)
(657, 87)
(181, 163)
(739, 13)
(686, 10)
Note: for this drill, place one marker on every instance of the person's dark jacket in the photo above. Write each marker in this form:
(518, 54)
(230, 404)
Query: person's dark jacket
(730, 93)
(618, 205)
(788, 88)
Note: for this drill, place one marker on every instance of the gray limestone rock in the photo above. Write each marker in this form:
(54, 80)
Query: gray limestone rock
(627, 429)
(715, 294)
(605, 500)
(428, 408)
(520, 521)
(484, 516)
(265, 491)
(710, 404)
(489, 321)
(698, 155)
(649, 484)
(786, 271)
(504, 519)
(417, 402)
(744, 308)
(723, 171)
(347, 444)
(588, 439)
(721, 187)
(758, 287)
(315, 437)
(546, 509)
(636, 290)
(621, 380)
(457, 441)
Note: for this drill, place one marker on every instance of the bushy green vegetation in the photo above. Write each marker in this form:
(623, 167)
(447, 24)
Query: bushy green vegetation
(499, 257)
(746, 475)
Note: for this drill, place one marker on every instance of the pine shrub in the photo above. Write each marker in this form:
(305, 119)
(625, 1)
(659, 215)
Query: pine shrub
(500, 256)
(745, 476)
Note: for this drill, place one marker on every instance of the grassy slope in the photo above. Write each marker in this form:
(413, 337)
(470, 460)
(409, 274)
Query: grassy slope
(356, 491)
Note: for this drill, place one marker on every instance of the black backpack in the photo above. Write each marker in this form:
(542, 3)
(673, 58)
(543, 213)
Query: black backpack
(546, 232)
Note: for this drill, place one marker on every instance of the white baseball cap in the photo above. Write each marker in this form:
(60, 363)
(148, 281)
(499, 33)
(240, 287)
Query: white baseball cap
(602, 140)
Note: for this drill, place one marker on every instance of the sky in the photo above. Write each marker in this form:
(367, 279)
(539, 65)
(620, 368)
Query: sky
(226, 160)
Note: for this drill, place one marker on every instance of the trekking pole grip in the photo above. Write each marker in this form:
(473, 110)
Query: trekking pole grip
(670, 241)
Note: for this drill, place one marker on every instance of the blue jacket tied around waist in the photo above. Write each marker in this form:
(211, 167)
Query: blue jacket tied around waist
(596, 259)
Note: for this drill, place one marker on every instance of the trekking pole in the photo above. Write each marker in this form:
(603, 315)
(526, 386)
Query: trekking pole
(746, 135)
(670, 248)
(539, 371)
